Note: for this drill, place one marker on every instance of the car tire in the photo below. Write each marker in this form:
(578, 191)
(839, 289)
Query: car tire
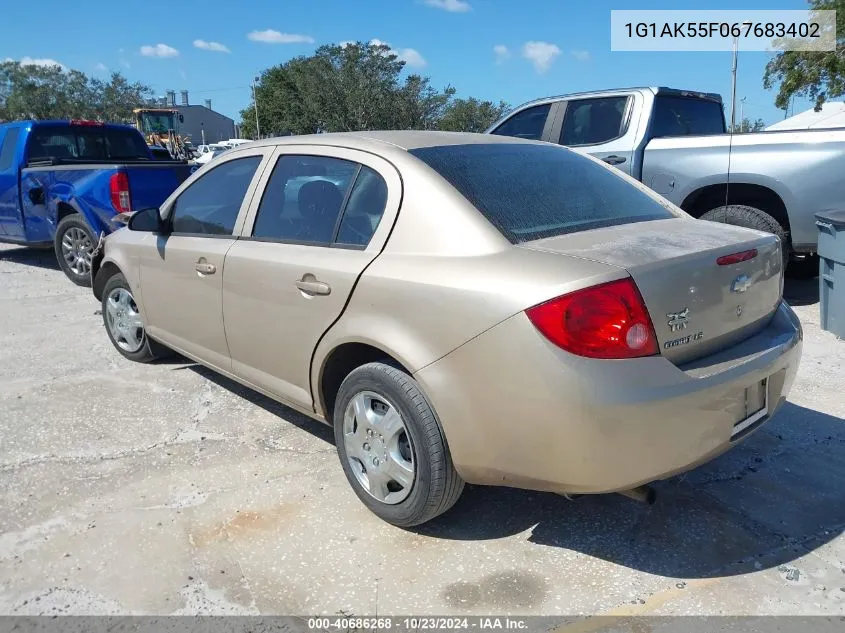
(433, 486)
(74, 244)
(752, 218)
(119, 304)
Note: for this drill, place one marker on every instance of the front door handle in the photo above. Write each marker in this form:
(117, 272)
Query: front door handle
(614, 160)
(310, 286)
(204, 268)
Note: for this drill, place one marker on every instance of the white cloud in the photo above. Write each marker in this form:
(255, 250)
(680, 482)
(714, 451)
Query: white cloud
(217, 47)
(453, 6)
(502, 53)
(541, 54)
(159, 50)
(101, 67)
(581, 56)
(274, 37)
(36, 61)
(410, 56)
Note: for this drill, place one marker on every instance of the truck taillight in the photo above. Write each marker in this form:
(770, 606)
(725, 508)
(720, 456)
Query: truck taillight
(605, 321)
(119, 189)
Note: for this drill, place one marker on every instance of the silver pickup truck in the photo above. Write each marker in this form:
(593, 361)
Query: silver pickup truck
(676, 143)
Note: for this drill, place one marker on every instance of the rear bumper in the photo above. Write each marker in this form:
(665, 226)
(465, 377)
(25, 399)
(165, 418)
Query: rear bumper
(517, 411)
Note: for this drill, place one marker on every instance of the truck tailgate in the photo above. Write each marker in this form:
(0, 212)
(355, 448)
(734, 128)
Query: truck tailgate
(151, 183)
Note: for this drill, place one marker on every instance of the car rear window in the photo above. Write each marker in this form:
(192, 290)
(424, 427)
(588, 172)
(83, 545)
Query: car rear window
(532, 191)
(686, 116)
(86, 143)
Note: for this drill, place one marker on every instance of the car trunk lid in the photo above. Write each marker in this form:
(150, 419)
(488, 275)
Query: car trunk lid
(698, 306)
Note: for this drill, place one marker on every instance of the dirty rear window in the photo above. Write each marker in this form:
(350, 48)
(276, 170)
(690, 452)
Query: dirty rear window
(530, 191)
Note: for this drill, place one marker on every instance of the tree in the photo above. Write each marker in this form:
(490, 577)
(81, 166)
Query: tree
(472, 115)
(356, 86)
(52, 92)
(816, 75)
(747, 125)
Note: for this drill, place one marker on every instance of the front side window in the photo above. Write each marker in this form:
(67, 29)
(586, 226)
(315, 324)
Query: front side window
(593, 121)
(303, 199)
(528, 123)
(532, 191)
(210, 205)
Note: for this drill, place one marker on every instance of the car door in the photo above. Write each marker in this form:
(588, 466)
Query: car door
(601, 127)
(181, 272)
(323, 217)
(11, 222)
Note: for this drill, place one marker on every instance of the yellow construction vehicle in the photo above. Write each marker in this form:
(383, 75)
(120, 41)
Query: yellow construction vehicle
(160, 126)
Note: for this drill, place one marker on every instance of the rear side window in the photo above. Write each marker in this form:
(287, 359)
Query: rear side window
(363, 212)
(210, 206)
(531, 191)
(7, 149)
(683, 116)
(593, 121)
(303, 199)
(528, 123)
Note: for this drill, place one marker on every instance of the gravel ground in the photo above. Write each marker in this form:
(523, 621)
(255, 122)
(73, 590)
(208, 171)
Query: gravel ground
(165, 489)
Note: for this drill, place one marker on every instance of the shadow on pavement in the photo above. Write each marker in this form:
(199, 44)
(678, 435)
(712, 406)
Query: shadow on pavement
(317, 429)
(763, 504)
(801, 292)
(37, 257)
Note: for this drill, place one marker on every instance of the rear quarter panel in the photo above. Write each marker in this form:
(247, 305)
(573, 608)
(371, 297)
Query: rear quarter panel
(83, 189)
(802, 168)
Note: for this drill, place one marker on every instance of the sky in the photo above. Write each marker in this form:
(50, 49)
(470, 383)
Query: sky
(506, 50)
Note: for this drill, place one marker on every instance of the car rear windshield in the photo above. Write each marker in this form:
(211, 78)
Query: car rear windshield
(86, 143)
(686, 116)
(532, 191)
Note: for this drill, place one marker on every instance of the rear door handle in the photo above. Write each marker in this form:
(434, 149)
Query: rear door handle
(205, 268)
(614, 160)
(313, 287)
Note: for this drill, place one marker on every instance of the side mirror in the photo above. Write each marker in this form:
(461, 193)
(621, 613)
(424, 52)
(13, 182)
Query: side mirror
(147, 220)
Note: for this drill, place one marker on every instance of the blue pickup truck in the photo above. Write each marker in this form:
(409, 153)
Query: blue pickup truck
(63, 182)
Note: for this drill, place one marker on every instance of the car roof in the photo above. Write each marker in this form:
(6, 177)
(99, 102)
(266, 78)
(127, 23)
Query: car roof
(383, 139)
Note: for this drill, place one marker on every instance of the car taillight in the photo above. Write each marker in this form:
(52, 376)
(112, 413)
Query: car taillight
(736, 258)
(605, 321)
(119, 188)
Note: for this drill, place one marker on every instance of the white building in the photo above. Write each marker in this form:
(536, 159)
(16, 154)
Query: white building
(832, 114)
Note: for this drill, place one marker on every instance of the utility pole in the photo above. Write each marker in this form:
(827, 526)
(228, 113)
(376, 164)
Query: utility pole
(255, 101)
(733, 79)
(742, 114)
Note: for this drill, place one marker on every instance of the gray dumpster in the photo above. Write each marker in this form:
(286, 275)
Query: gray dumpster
(831, 226)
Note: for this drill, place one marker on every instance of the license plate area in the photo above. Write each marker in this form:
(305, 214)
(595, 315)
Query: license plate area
(756, 409)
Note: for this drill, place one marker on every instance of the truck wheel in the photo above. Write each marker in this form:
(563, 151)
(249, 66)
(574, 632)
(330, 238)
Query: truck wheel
(124, 325)
(391, 446)
(751, 218)
(74, 246)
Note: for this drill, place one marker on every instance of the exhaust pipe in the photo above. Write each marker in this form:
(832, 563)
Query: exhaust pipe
(643, 494)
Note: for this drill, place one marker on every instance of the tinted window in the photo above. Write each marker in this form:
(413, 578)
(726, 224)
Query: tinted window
(7, 150)
(303, 198)
(528, 123)
(533, 191)
(110, 144)
(52, 143)
(592, 121)
(682, 116)
(211, 204)
(364, 210)
(92, 143)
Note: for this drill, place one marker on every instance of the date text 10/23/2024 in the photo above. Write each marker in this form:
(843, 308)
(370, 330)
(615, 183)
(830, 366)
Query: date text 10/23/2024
(430, 623)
